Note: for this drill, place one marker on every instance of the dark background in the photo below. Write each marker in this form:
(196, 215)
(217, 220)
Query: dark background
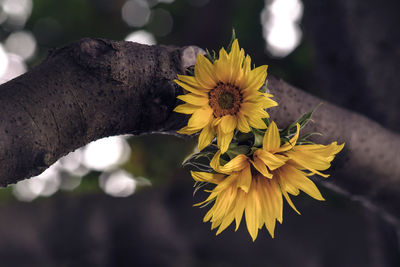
(349, 54)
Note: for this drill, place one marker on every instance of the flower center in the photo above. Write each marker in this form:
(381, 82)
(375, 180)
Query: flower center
(225, 99)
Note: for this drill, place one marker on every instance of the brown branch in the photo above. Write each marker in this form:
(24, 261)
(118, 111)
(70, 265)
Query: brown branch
(95, 88)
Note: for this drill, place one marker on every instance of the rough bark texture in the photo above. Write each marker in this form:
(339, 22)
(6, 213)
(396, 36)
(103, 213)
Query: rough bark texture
(95, 88)
(87, 90)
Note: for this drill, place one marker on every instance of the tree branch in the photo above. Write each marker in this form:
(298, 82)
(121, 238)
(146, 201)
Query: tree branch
(95, 88)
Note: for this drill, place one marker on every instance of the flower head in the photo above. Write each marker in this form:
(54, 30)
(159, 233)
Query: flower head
(224, 96)
(254, 185)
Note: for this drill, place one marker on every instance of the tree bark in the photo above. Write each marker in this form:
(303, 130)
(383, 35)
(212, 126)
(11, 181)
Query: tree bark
(95, 88)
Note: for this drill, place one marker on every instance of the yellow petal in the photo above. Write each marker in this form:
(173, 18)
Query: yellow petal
(272, 139)
(289, 145)
(245, 70)
(239, 208)
(226, 221)
(244, 179)
(310, 161)
(214, 178)
(256, 78)
(252, 213)
(189, 80)
(204, 72)
(260, 166)
(186, 108)
(194, 90)
(282, 182)
(200, 118)
(268, 210)
(223, 139)
(228, 124)
(188, 130)
(222, 67)
(238, 163)
(297, 179)
(206, 136)
(193, 99)
(242, 124)
(273, 162)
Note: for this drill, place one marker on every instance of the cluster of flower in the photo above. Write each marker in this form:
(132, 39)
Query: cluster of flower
(249, 163)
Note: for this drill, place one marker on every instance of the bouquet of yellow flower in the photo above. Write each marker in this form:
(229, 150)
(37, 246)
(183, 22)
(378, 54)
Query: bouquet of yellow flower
(249, 162)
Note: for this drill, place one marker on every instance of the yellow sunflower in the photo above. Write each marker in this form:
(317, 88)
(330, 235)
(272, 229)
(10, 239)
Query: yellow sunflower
(257, 192)
(224, 96)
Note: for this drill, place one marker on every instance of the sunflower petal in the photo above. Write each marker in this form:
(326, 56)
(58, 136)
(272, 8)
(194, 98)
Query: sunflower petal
(223, 139)
(272, 139)
(204, 72)
(228, 124)
(206, 136)
(194, 99)
(194, 90)
(273, 162)
(242, 124)
(244, 179)
(200, 118)
(207, 177)
(186, 108)
(289, 145)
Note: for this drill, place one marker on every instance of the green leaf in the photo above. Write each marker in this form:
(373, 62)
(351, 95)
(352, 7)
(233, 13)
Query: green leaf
(258, 137)
(303, 120)
(228, 49)
(237, 150)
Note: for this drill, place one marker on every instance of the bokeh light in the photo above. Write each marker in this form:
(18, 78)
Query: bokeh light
(281, 30)
(18, 12)
(3, 61)
(136, 13)
(15, 67)
(45, 184)
(21, 43)
(118, 183)
(106, 153)
(161, 22)
(141, 37)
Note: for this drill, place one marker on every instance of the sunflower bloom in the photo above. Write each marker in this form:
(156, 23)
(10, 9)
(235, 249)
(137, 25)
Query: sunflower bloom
(256, 187)
(224, 96)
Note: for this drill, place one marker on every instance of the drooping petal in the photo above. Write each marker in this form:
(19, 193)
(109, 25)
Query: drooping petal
(228, 123)
(252, 211)
(206, 136)
(292, 142)
(200, 118)
(223, 139)
(214, 178)
(244, 179)
(272, 161)
(237, 164)
(260, 166)
(242, 124)
(282, 182)
(297, 179)
(239, 209)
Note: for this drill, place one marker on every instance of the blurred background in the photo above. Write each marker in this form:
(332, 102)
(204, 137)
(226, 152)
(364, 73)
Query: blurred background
(125, 201)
